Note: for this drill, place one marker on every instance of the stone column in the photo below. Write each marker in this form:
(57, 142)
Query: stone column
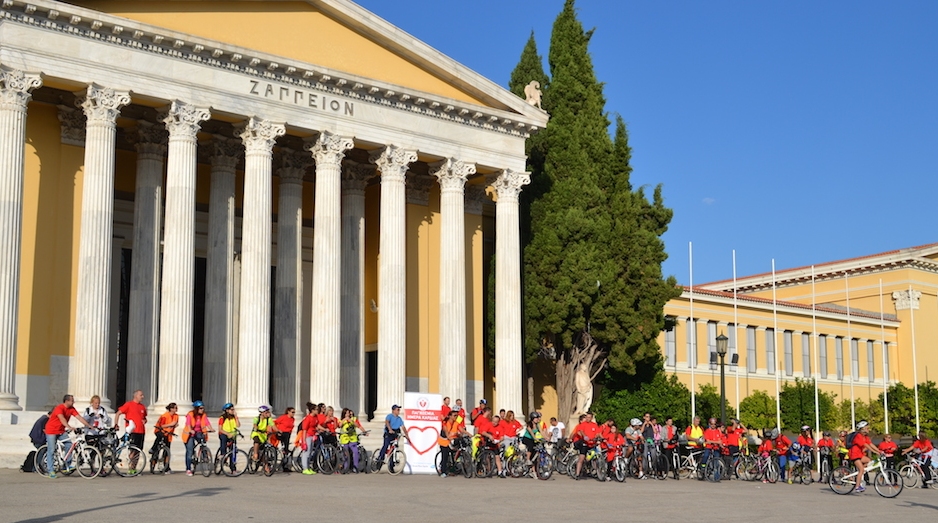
(392, 277)
(176, 307)
(508, 342)
(219, 359)
(452, 175)
(289, 297)
(14, 96)
(355, 178)
(88, 372)
(254, 323)
(143, 334)
(328, 150)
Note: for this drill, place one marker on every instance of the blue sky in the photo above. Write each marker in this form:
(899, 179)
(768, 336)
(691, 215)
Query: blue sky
(801, 131)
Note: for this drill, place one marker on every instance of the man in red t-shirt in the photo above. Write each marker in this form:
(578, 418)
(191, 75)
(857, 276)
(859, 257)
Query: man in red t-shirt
(782, 444)
(136, 414)
(477, 412)
(584, 435)
(922, 446)
(713, 440)
(57, 429)
(444, 410)
(861, 444)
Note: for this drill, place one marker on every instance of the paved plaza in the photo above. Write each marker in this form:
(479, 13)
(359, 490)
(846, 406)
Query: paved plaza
(292, 497)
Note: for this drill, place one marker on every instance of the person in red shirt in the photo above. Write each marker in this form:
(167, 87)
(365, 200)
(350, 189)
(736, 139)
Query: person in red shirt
(491, 434)
(735, 437)
(613, 442)
(478, 411)
(285, 424)
(825, 447)
(861, 444)
(670, 436)
(57, 429)
(713, 440)
(310, 428)
(584, 434)
(922, 447)
(782, 445)
(606, 428)
(444, 410)
(135, 413)
(888, 448)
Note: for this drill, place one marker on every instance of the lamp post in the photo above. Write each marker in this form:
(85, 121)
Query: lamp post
(722, 342)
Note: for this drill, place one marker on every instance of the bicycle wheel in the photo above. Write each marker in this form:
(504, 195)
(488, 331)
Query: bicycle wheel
(888, 483)
(909, 476)
(344, 461)
(129, 461)
(396, 462)
(485, 465)
(235, 463)
(88, 462)
(219, 459)
(715, 469)
(465, 463)
(438, 463)
(688, 468)
(807, 474)
(841, 481)
(162, 461)
(619, 466)
(772, 472)
(296, 459)
(107, 462)
(600, 468)
(745, 470)
(39, 461)
(662, 467)
(517, 466)
(269, 461)
(543, 466)
(326, 459)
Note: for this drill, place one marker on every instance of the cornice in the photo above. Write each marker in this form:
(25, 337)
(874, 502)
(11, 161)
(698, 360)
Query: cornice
(93, 25)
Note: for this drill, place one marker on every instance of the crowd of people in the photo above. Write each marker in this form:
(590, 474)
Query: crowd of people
(486, 429)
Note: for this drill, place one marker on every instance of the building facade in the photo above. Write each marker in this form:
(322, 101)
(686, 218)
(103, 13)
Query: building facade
(256, 202)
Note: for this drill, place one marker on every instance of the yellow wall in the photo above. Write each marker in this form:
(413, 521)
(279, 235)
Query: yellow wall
(290, 29)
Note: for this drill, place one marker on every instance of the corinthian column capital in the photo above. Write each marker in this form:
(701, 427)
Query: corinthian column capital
(329, 148)
(355, 176)
(508, 184)
(102, 105)
(73, 125)
(184, 120)
(225, 152)
(260, 135)
(150, 140)
(393, 161)
(452, 173)
(15, 86)
(293, 166)
(418, 189)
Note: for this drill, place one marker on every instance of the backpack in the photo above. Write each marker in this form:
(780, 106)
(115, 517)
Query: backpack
(30, 464)
(849, 441)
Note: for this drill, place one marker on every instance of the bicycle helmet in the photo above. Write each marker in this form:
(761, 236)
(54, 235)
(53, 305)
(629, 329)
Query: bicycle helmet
(534, 415)
(635, 422)
(862, 424)
(795, 447)
(227, 406)
(197, 404)
(773, 434)
(805, 428)
(263, 408)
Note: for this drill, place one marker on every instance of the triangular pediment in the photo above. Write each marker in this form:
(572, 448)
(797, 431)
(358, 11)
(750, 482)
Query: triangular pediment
(334, 34)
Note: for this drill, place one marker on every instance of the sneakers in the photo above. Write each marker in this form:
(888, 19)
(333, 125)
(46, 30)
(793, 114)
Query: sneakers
(188, 473)
(789, 481)
(308, 472)
(51, 476)
(168, 472)
(132, 472)
(442, 475)
(861, 488)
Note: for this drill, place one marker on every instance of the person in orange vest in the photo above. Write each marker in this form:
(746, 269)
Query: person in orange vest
(195, 431)
(164, 429)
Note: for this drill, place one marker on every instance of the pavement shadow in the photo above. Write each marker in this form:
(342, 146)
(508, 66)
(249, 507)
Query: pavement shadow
(912, 504)
(143, 497)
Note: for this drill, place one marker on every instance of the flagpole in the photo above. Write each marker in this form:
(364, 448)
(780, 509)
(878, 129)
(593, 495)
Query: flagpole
(885, 347)
(736, 328)
(816, 373)
(853, 410)
(778, 400)
(693, 335)
(918, 426)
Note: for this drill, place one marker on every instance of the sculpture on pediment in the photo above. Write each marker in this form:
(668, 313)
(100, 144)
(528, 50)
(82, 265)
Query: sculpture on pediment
(532, 93)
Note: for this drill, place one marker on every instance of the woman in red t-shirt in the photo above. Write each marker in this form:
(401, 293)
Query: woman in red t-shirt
(285, 424)
(922, 446)
(309, 426)
(861, 444)
(888, 448)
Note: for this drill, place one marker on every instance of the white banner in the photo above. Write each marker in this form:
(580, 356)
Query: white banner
(422, 421)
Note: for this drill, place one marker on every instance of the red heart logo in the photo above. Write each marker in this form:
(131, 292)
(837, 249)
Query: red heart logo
(423, 403)
(424, 441)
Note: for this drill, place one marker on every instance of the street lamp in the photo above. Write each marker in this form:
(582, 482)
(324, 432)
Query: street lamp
(722, 342)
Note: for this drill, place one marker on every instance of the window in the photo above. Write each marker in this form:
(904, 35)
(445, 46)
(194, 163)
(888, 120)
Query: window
(789, 353)
(839, 354)
(854, 360)
(822, 355)
(870, 362)
(670, 345)
(731, 343)
(691, 343)
(751, 349)
(806, 355)
(712, 343)
(770, 351)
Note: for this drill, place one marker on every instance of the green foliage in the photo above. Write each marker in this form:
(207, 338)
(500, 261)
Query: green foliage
(797, 406)
(708, 403)
(530, 68)
(757, 411)
(593, 252)
(902, 408)
(663, 396)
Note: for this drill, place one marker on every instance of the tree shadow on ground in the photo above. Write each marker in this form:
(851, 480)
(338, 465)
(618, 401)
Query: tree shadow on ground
(143, 497)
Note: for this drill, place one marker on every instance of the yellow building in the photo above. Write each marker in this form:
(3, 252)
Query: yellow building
(886, 335)
(253, 201)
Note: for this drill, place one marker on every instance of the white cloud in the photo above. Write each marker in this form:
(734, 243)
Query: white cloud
(709, 201)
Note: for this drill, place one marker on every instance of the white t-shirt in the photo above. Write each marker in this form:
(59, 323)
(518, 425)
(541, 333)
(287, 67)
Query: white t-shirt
(555, 431)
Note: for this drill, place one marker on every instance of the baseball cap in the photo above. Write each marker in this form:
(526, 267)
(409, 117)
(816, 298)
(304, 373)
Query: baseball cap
(395, 407)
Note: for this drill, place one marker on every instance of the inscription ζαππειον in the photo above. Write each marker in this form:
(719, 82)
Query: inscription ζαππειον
(300, 97)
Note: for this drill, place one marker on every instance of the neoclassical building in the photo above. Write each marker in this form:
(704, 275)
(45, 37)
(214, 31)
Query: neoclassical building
(257, 202)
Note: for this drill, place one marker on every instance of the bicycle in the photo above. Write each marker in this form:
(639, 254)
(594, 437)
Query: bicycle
(232, 456)
(660, 465)
(690, 462)
(802, 470)
(202, 458)
(596, 461)
(159, 454)
(345, 461)
(714, 469)
(823, 454)
(913, 472)
(268, 456)
(120, 455)
(888, 483)
(394, 455)
(460, 459)
(619, 465)
(87, 459)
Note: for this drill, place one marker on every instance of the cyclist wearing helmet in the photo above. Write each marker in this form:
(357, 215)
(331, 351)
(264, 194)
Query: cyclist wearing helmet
(782, 445)
(263, 427)
(584, 436)
(922, 446)
(825, 447)
(713, 439)
(196, 430)
(633, 440)
(532, 432)
(228, 425)
(861, 444)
